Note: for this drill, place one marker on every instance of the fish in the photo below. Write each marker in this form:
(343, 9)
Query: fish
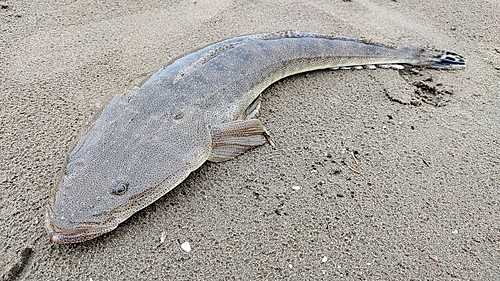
(200, 107)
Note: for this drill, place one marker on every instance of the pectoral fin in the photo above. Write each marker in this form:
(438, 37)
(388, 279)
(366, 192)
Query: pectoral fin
(233, 138)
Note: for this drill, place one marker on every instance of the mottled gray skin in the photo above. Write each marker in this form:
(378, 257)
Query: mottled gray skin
(201, 107)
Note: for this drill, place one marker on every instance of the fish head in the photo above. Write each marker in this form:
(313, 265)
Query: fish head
(119, 167)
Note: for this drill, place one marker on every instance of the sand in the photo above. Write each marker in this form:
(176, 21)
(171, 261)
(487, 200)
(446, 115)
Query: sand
(398, 171)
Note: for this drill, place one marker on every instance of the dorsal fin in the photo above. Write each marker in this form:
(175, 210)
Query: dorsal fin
(300, 34)
(204, 59)
(291, 34)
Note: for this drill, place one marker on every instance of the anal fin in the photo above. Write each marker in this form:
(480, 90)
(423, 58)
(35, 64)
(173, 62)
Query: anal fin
(233, 138)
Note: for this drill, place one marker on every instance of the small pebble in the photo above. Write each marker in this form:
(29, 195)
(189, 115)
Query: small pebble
(325, 259)
(163, 237)
(433, 258)
(295, 187)
(415, 102)
(290, 266)
(186, 247)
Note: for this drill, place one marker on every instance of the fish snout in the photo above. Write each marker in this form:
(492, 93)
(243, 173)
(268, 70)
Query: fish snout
(70, 236)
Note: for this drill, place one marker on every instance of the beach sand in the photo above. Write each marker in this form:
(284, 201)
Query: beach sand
(398, 171)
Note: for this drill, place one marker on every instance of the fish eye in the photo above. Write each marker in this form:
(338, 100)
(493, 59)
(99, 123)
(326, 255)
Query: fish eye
(119, 188)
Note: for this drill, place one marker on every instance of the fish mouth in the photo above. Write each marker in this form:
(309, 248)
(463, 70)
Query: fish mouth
(70, 236)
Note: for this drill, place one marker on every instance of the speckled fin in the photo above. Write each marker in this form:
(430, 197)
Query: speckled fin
(300, 34)
(292, 34)
(207, 57)
(233, 138)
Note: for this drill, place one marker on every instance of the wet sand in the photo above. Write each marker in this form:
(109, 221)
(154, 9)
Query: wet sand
(398, 171)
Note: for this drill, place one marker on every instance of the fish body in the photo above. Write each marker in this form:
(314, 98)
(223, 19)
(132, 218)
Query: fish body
(199, 108)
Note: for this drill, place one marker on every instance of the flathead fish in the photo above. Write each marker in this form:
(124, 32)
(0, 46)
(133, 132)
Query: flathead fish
(201, 107)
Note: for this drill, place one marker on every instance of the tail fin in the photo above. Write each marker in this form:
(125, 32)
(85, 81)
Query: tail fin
(441, 59)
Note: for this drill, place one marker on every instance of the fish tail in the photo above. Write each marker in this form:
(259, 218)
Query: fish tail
(440, 59)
